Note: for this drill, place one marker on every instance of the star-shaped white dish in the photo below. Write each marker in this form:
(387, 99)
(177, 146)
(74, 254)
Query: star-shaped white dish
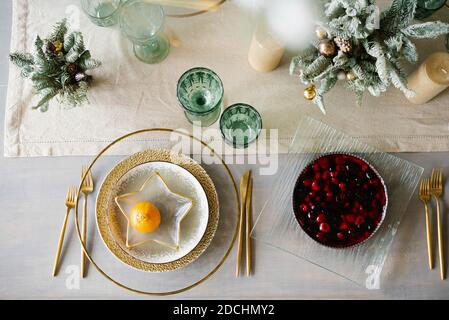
(172, 206)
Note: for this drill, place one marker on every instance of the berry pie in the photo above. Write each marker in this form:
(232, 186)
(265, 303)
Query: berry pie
(339, 200)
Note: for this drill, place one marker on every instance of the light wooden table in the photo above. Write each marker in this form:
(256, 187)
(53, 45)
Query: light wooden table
(31, 205)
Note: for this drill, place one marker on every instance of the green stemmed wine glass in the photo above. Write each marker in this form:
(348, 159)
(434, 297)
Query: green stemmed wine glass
(103, 13)
(200, 92)
(142, 23)
(240, 125)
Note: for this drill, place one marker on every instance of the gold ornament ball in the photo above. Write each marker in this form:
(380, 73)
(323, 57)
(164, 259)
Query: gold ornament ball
(321, 33)
(327, 48)
(350, 76)
(310, 93)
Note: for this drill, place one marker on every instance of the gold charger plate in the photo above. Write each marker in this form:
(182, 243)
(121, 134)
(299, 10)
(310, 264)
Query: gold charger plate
(105, 211)
(222, 243)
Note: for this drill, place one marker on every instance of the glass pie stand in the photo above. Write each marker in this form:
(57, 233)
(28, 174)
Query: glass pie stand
(217, 251)
(277, 226)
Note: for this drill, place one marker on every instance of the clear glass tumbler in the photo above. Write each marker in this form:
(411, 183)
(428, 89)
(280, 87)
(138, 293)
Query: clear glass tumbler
(103, 13)
(143, 23)
(200, 92)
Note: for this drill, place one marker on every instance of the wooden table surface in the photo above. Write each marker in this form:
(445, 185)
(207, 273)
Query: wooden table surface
(31, 205)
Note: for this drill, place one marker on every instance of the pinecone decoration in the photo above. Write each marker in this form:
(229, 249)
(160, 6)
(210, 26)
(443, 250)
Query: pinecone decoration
(371, 47)
(344, 45)
(50, 49)
(72, 69)
(58, 69)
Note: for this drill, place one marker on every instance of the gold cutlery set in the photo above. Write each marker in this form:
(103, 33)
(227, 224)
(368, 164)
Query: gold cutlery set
(433, 187)
(246, 190)
(70, 202)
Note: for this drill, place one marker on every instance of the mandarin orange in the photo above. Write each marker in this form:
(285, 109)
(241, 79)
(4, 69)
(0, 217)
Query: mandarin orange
(145, 217)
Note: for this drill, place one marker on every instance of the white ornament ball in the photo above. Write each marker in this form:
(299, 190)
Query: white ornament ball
(341, 75)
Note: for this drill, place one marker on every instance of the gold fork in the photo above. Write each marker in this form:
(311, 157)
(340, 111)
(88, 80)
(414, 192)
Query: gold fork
(70, 202)
(424, 196)
(436, 189)
(86, 188)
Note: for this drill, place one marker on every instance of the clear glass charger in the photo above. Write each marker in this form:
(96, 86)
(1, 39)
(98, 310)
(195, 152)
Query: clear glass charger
(198, 271)
(277, 226)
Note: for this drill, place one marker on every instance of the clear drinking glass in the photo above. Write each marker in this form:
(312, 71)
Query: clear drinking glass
(143, 23)
(200, 92)
(240, 125)
(103, 13)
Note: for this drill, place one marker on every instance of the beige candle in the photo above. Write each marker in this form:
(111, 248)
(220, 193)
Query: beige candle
(430, 79)
(265, 52)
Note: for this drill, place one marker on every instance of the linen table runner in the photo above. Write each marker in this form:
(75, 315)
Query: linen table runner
(128, 95)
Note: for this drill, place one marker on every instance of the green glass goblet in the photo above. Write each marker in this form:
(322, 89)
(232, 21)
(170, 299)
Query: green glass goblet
(200, 92)
(431, 4)
(426, 8)
(103, 13)
(143, 23)
(240, 125)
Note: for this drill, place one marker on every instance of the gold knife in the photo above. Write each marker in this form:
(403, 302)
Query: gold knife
(243, 192)
(248, 226)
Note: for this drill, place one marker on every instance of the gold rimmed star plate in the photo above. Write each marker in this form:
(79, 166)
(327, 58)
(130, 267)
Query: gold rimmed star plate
(188, 205)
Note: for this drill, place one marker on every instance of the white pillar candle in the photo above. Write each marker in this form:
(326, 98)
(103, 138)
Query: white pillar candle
(430, 79)
(265, 52)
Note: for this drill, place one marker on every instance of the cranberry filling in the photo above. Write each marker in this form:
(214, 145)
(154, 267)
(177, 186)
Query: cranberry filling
(339, 200)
